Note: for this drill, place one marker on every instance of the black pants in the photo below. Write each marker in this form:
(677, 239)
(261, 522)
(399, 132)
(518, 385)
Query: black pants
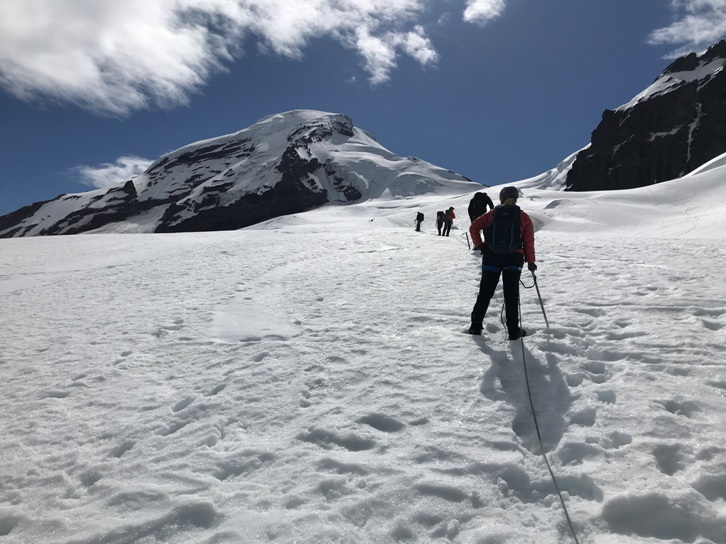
(493, 266)
(439, 224)
(418, 226)
(447, 228)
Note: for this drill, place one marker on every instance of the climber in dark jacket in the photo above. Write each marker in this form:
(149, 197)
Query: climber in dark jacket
(478, 205)
(507, 265)
(419, 220)
(449, 217)
(440, 221)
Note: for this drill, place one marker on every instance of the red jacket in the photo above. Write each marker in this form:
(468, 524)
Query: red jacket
(527, 233)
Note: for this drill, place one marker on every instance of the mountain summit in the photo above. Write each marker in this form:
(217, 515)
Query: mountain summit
(283, 164)
(671, 128)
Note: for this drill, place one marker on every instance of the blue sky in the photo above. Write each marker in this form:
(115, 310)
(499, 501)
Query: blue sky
(496, 90)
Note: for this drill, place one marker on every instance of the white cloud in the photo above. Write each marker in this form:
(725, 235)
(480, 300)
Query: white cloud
(698, 24)
(418, 46)
(380, 57)
(116, 57)
(482, 11)
(112, 174)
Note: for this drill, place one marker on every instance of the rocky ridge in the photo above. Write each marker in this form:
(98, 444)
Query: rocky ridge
(674, 126)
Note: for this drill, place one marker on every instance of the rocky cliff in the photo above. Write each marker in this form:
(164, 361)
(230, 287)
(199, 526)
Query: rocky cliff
(668, 130)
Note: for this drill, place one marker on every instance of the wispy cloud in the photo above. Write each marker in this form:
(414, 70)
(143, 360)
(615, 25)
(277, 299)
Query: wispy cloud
(117, 57)
(697, 25)
(109, 174)
(482, 11)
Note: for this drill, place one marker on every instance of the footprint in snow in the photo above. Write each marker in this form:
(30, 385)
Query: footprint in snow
(608, 397)
(669, 458)
(183, 403)
(164, 330)
(681, 408)
(382, 422)
(592, 312)
(711, 325)
(327, 439)
(616, 440)
(215, 390)
(122, 448)
(172, 428)
(584, 418)
(55, 394)
(260, 356)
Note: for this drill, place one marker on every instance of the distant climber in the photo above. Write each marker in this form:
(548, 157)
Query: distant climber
(449, 217)
(440, 221)
(479, 204)
(419, 220)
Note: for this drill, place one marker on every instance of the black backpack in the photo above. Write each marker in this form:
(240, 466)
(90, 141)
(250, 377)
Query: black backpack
(477, 206)
(504, 234)
(419, 216)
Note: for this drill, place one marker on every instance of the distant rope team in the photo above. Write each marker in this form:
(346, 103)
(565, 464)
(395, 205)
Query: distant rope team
(507, 244)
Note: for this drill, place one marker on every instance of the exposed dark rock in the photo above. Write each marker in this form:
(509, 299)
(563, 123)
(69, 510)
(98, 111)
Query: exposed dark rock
(661, 137)
(294, 168)
(321, 130)
(120, 203)
(295, 192)
(286, 197)
(339, 182)
(235, 149)
(14, 218)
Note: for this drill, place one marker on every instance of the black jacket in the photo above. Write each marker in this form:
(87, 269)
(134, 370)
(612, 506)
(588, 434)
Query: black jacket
(478, 205)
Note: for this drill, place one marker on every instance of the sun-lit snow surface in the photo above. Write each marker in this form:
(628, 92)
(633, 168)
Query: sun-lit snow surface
(307, 380)
(555, 178)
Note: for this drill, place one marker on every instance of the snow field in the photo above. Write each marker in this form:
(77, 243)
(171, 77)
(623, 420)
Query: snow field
(272, 385)
(312, 383)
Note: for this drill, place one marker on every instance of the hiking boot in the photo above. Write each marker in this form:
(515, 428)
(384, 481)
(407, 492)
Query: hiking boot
(475, 330)
(516, 334)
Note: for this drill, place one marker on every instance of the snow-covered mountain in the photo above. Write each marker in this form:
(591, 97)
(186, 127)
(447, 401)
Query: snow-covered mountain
(283, 164)
(671, 128)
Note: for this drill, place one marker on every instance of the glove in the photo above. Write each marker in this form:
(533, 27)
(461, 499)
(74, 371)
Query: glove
(480, 248)
(532, 267)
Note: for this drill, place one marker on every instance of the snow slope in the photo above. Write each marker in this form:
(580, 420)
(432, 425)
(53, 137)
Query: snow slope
(307, 380)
